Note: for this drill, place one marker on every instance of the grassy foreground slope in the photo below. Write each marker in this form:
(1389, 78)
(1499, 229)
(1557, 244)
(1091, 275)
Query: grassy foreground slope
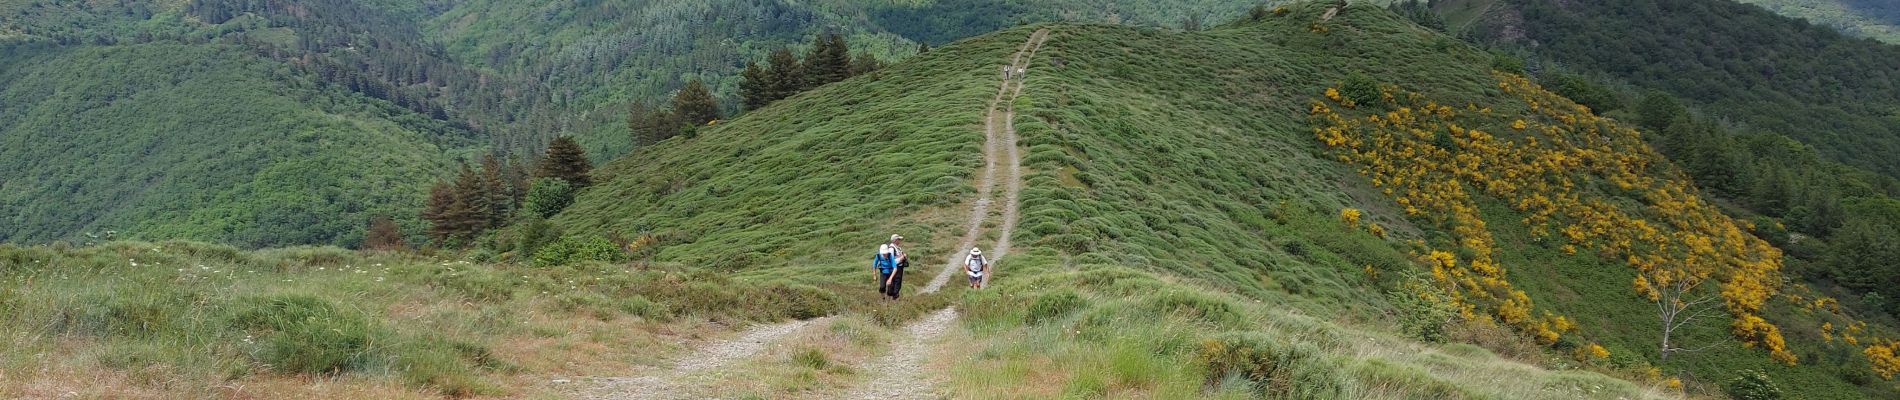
(166, 140)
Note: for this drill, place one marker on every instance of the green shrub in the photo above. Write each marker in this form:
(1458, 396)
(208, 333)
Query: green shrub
(1362, 89)
(1277, 370)
(640, 306)
(1419, 318)
(1053, 305)
(1414, 381)
(1195, 306)
(1752, 385)
(548, 196)
(448, 366)
(532, 234)
(1507, 62)
(136, 315)
(811, 358)
(305, 334)
(572, 250)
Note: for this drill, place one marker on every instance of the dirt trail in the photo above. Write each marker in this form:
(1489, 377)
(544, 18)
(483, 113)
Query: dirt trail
(999, 146)
(711, 357)
(899, 374)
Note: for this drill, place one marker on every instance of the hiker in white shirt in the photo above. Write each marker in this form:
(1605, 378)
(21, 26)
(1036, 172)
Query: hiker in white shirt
(975, 265)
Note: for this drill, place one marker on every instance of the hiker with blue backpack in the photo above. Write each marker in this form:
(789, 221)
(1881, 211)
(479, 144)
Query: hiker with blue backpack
(890, 262)
(976, 266)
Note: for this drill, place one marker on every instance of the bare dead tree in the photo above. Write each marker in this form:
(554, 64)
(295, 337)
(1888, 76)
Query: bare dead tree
(1678, 306)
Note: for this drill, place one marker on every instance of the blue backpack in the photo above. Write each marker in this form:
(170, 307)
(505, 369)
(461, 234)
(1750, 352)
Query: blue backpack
(884, 262)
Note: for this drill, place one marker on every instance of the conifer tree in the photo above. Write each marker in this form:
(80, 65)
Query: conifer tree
(864, 64)
(383, 234)
(923, 47)
(517, 174)
(456, 210)
(829, 61)
(649, 124)
(694, 105)
(469, 214)
(786, 75)
(441, 200)
(755, 87)
(566, 160)
(495, 192)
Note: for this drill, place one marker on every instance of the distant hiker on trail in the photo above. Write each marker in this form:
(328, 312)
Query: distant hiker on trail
(976, 266)
(890, 262)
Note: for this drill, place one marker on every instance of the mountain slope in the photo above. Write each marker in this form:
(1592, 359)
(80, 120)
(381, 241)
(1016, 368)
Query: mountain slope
(1875, 19)
(1736, 61)
(182, 141)
(1175, 176)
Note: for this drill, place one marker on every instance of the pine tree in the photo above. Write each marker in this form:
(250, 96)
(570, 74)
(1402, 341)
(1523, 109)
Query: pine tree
(566, 160)
(694, 105)
(829, 61)
(517, 175)
(495, 192)
(457, 210)
(647, 124)
(923, 47)
(786, 75)
(441, 200)
(383, 234)
(755, 87)
(864, 64)
(469, 214)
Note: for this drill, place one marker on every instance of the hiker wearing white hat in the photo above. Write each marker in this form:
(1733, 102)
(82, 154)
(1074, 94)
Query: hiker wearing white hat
(976, 265)
(890, 262)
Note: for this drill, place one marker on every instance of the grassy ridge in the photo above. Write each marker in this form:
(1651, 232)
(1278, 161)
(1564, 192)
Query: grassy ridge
(814, 180)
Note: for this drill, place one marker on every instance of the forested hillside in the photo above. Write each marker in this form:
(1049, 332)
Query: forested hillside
(1838, 94)
(1794, 127)
(200, 141)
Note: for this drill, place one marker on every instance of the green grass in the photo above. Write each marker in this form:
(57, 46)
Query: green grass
(201, 315)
